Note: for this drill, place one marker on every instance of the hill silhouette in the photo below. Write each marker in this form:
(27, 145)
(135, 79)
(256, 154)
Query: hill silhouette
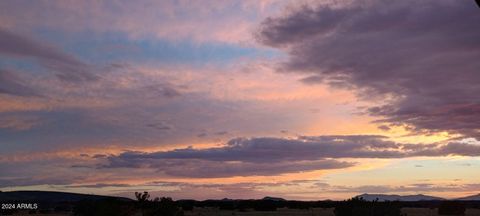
(470, 198)
(394, 197)
(52, 196)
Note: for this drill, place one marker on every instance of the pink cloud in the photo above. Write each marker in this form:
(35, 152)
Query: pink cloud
(171, 20)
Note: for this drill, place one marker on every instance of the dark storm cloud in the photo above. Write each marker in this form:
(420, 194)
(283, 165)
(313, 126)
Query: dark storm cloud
(13, 85)
(423, 53)
(272, 156)
(65, 66)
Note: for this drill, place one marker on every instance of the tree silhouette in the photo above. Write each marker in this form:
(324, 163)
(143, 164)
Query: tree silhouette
(164, 206)
(142, 199)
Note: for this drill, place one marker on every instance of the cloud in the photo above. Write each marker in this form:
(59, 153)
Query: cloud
(209, 169)
(11, 84)
(273, 156)
(98, 185)
(410, 188)
(423, 56)
(221, 133)
(172, 20)
(162, 90)
(57, 180)
(384, 127)
(18, 122)
(66, 67)
(160, 126)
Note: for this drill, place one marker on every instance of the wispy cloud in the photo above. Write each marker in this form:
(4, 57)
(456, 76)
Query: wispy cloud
(11, 84)
(18, 122)
(65, 66)
(172, 20)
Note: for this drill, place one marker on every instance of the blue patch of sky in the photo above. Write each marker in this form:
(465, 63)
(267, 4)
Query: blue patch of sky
(105, 48)
(58, 128)
(24, 65)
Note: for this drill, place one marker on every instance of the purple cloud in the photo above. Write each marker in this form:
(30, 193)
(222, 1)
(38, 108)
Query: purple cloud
(65, 66)
(11, 84)
(423, 55)
(272, 156)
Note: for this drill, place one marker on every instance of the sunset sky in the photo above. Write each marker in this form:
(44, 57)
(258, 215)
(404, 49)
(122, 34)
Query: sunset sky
(298, 99)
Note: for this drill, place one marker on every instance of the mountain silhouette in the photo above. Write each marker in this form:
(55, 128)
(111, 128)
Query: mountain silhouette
(273, 198)
(470, 198)
(52, 196)
(394, 197)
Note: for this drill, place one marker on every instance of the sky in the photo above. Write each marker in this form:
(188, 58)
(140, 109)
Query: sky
(303, 99)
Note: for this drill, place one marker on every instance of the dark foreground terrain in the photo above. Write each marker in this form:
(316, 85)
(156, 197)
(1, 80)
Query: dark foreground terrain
(59, 203)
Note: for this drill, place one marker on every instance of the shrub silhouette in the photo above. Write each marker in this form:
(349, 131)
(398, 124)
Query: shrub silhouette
(359, 207)
(451, 208)
(164, 206)
(107, 207)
